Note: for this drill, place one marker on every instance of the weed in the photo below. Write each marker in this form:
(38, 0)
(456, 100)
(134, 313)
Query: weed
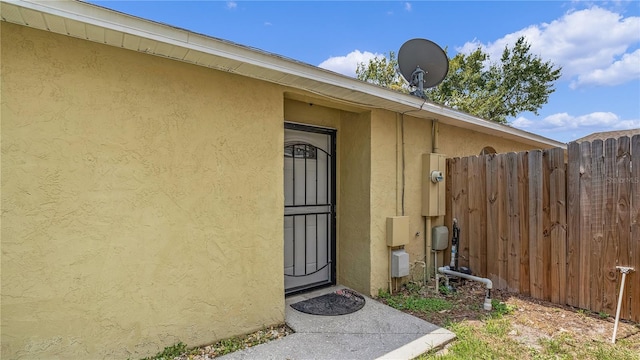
(497, 326)
(445, 290)
(501, 308)
(603, 315)
(169, 352)
(413, 287)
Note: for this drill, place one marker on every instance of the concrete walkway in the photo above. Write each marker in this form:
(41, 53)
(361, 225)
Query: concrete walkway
(376, 331)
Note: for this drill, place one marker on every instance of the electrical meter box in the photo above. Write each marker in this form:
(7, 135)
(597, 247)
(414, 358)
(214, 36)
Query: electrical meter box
(397, 231)
(433, 184)
(439, 238)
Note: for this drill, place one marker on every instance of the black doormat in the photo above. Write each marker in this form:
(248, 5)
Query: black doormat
(341, 302)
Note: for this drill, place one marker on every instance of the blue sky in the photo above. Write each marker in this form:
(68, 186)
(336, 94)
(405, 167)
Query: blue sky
(597, 43)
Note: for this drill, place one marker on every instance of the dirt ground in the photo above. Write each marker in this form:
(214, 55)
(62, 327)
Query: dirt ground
(531, 319)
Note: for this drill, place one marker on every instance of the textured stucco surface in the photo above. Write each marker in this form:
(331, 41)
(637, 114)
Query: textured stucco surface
(141, 201)
(355, 208)
(460, 142)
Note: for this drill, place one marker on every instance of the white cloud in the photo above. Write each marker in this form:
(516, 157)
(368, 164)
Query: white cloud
(407, 6)
(266, 23)
(594, 46)
(617, 73)
(596, 121)
(232, 5)
(347, 65)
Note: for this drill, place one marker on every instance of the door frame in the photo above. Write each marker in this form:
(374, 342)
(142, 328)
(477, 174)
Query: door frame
(332, 241)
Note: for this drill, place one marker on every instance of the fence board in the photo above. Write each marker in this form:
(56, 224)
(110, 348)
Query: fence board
(620, 253)
(513, 209)
(536, 248)
(455, 198)
(475, 216)
(609, 229)
(491, 175)
(503, 223)
(597, 224)
(463, 215)
(584, 299)
(448, 217)
(573, 224)
(633, 279)
(558, 219)
(482, 209)
(546, 226)
(523, 190)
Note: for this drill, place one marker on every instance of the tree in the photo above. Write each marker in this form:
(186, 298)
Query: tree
(519, 82)
(381, 71)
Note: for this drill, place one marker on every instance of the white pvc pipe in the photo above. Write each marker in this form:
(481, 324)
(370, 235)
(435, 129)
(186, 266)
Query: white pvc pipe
(487, 282)
(624, 271)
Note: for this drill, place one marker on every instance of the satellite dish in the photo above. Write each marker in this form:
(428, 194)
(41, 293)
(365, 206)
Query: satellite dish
(423, 64)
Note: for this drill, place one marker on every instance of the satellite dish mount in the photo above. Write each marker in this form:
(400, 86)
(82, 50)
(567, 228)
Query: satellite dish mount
(423, 64)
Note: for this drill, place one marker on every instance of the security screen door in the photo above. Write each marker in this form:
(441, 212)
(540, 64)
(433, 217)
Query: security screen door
(309, 207)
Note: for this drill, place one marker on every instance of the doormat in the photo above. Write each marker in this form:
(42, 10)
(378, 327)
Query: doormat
(341, 302)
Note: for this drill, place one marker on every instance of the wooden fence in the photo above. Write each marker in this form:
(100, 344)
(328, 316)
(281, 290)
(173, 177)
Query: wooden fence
(554, 231)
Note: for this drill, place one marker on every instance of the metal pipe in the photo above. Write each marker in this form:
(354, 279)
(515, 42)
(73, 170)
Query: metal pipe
(487, 298)
(624, 270)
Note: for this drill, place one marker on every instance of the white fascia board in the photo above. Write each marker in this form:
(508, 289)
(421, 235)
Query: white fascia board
(127, 24)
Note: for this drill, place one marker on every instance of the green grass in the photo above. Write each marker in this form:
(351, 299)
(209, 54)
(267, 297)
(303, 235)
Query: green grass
(169, 352)
(414, 302)
(490, 341)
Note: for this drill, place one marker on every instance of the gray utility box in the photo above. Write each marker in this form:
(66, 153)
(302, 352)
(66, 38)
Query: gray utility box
(399, 263)
(439, 238)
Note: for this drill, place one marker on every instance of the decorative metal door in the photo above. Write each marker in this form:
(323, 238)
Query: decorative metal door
(309, 211)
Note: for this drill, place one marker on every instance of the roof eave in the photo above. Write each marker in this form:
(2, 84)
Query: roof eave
(144, 36)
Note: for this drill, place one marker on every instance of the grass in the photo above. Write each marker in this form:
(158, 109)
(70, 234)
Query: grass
(497, 335)
(170, 352)
(222, 347)
(414, 302)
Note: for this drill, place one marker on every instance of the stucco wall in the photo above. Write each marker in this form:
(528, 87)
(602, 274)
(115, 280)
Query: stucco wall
(355, 207)
(141, 205)
(456, 141)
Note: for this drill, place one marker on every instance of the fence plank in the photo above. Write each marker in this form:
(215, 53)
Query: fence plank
(633, 279)
(536, 249)
(457, 207)
(463, 216)
(448, 217)
(609, 228)
(558, 221)
(573, 224)
(623, 228)
(523, 190)
(503, 223)
(482, 209)
(597, 224)
(491, 175)
(513, 218)
(475, 219)
(546, 225)
(585, 226)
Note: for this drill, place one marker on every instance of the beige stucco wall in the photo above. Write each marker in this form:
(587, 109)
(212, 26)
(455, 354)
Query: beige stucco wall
(141, 205)
(457, 141)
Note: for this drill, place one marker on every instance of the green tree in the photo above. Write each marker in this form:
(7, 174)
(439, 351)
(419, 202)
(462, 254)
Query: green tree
(382, 71)
(519, 82)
